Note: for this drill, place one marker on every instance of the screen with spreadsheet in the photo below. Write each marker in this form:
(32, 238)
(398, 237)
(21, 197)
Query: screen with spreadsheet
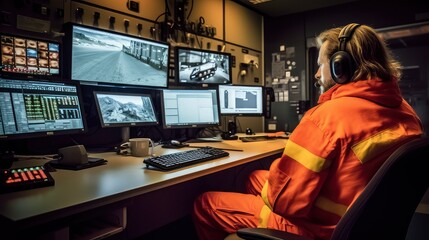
(190, 108)
(39, 108)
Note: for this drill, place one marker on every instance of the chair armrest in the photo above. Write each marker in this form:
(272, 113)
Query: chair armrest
(268, 234)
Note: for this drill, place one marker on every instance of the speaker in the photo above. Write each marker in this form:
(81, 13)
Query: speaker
(73, 155)
(341, 63)
(269, 98)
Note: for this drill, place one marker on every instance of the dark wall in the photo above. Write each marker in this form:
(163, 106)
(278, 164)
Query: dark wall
(293, 30)
(296, 29)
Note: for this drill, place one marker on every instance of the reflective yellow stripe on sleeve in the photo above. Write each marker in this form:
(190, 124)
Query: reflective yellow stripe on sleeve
(330, 206)
(371, 147)
(263, 216)
(305, 157)
(266, 209)
(264, 195)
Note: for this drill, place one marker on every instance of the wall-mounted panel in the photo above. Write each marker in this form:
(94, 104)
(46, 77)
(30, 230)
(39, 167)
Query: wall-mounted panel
(212, 13)
(243, 26)
(103, 21)
(149, 9)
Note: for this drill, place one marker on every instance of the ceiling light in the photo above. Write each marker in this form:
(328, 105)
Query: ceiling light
(258, 1)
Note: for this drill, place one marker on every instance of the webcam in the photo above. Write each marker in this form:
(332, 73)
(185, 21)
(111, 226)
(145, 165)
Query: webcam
(249, 131)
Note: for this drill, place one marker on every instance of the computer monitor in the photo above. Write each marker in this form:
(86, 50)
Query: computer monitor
(202, 67)
(118, 109)
(125, 110)
(240, 100)
(99, 56)
(27, 57)
(39, 108)
(190, 108)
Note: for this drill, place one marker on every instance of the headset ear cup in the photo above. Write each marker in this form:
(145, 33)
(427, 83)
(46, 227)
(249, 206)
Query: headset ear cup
(342, 67)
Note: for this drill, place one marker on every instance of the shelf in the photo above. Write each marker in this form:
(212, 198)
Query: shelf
(100, 227)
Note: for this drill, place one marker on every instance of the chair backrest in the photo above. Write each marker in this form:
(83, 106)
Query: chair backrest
(386, 206)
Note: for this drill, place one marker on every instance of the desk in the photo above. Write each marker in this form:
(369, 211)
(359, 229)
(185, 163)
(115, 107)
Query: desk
(120, 180)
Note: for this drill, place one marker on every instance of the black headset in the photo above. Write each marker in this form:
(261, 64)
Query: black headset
(341, 63)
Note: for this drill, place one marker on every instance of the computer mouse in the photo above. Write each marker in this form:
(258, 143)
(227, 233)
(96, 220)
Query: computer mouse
(175, 143)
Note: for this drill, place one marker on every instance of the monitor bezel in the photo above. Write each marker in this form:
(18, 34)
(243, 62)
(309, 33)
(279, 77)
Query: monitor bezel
(200, 125)
(124, 124)
(26, 75)
(68, 59)
(76, 131)
(242, 113)
(177, 50)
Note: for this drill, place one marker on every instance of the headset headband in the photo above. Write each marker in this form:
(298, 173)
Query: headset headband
(345, 35)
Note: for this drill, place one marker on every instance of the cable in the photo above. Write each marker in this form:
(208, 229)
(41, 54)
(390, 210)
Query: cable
(154, 24)
(42, 157)
(168, 8)
(190, 10)
(156, 20)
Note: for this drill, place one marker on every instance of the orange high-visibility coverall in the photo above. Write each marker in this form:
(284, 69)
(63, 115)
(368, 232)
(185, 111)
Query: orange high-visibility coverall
(329, 158)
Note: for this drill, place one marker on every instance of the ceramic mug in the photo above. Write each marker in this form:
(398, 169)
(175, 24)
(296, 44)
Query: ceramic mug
(140, 147)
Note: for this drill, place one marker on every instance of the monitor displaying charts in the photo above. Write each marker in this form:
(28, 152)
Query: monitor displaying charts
(240, 100)
(38, 108)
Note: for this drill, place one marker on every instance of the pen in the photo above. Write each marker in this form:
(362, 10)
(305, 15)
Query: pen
(227, 149)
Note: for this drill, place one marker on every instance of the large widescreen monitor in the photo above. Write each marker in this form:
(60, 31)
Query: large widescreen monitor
(190, 108)
(39, 108)
(118, 109)
(240, 100)
(100, 56)
(199, 67)
(27, 57)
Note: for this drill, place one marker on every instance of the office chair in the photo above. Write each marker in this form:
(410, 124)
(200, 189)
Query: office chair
(384, 209)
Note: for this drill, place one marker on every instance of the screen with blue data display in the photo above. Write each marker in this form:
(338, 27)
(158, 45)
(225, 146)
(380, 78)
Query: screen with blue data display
(39, 108)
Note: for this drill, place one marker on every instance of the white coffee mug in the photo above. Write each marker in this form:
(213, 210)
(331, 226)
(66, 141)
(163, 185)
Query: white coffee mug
(140, 147)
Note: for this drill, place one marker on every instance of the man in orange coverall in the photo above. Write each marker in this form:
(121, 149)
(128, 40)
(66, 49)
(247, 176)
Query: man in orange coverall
(332, 154)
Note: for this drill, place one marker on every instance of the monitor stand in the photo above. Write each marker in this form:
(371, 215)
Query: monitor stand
(206, 138)
(125, 134)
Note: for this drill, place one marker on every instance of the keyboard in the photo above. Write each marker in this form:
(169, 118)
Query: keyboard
(17, 179)
(181, 159)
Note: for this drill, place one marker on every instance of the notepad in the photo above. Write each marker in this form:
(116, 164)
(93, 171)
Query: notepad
(92, 162)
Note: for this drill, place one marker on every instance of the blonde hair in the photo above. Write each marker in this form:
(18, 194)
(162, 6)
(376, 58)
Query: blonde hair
(369, 51)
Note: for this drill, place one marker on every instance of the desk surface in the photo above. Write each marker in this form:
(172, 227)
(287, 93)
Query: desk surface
(121, 178)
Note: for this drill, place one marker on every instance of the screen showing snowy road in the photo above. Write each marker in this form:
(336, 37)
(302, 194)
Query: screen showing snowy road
(100, 57)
